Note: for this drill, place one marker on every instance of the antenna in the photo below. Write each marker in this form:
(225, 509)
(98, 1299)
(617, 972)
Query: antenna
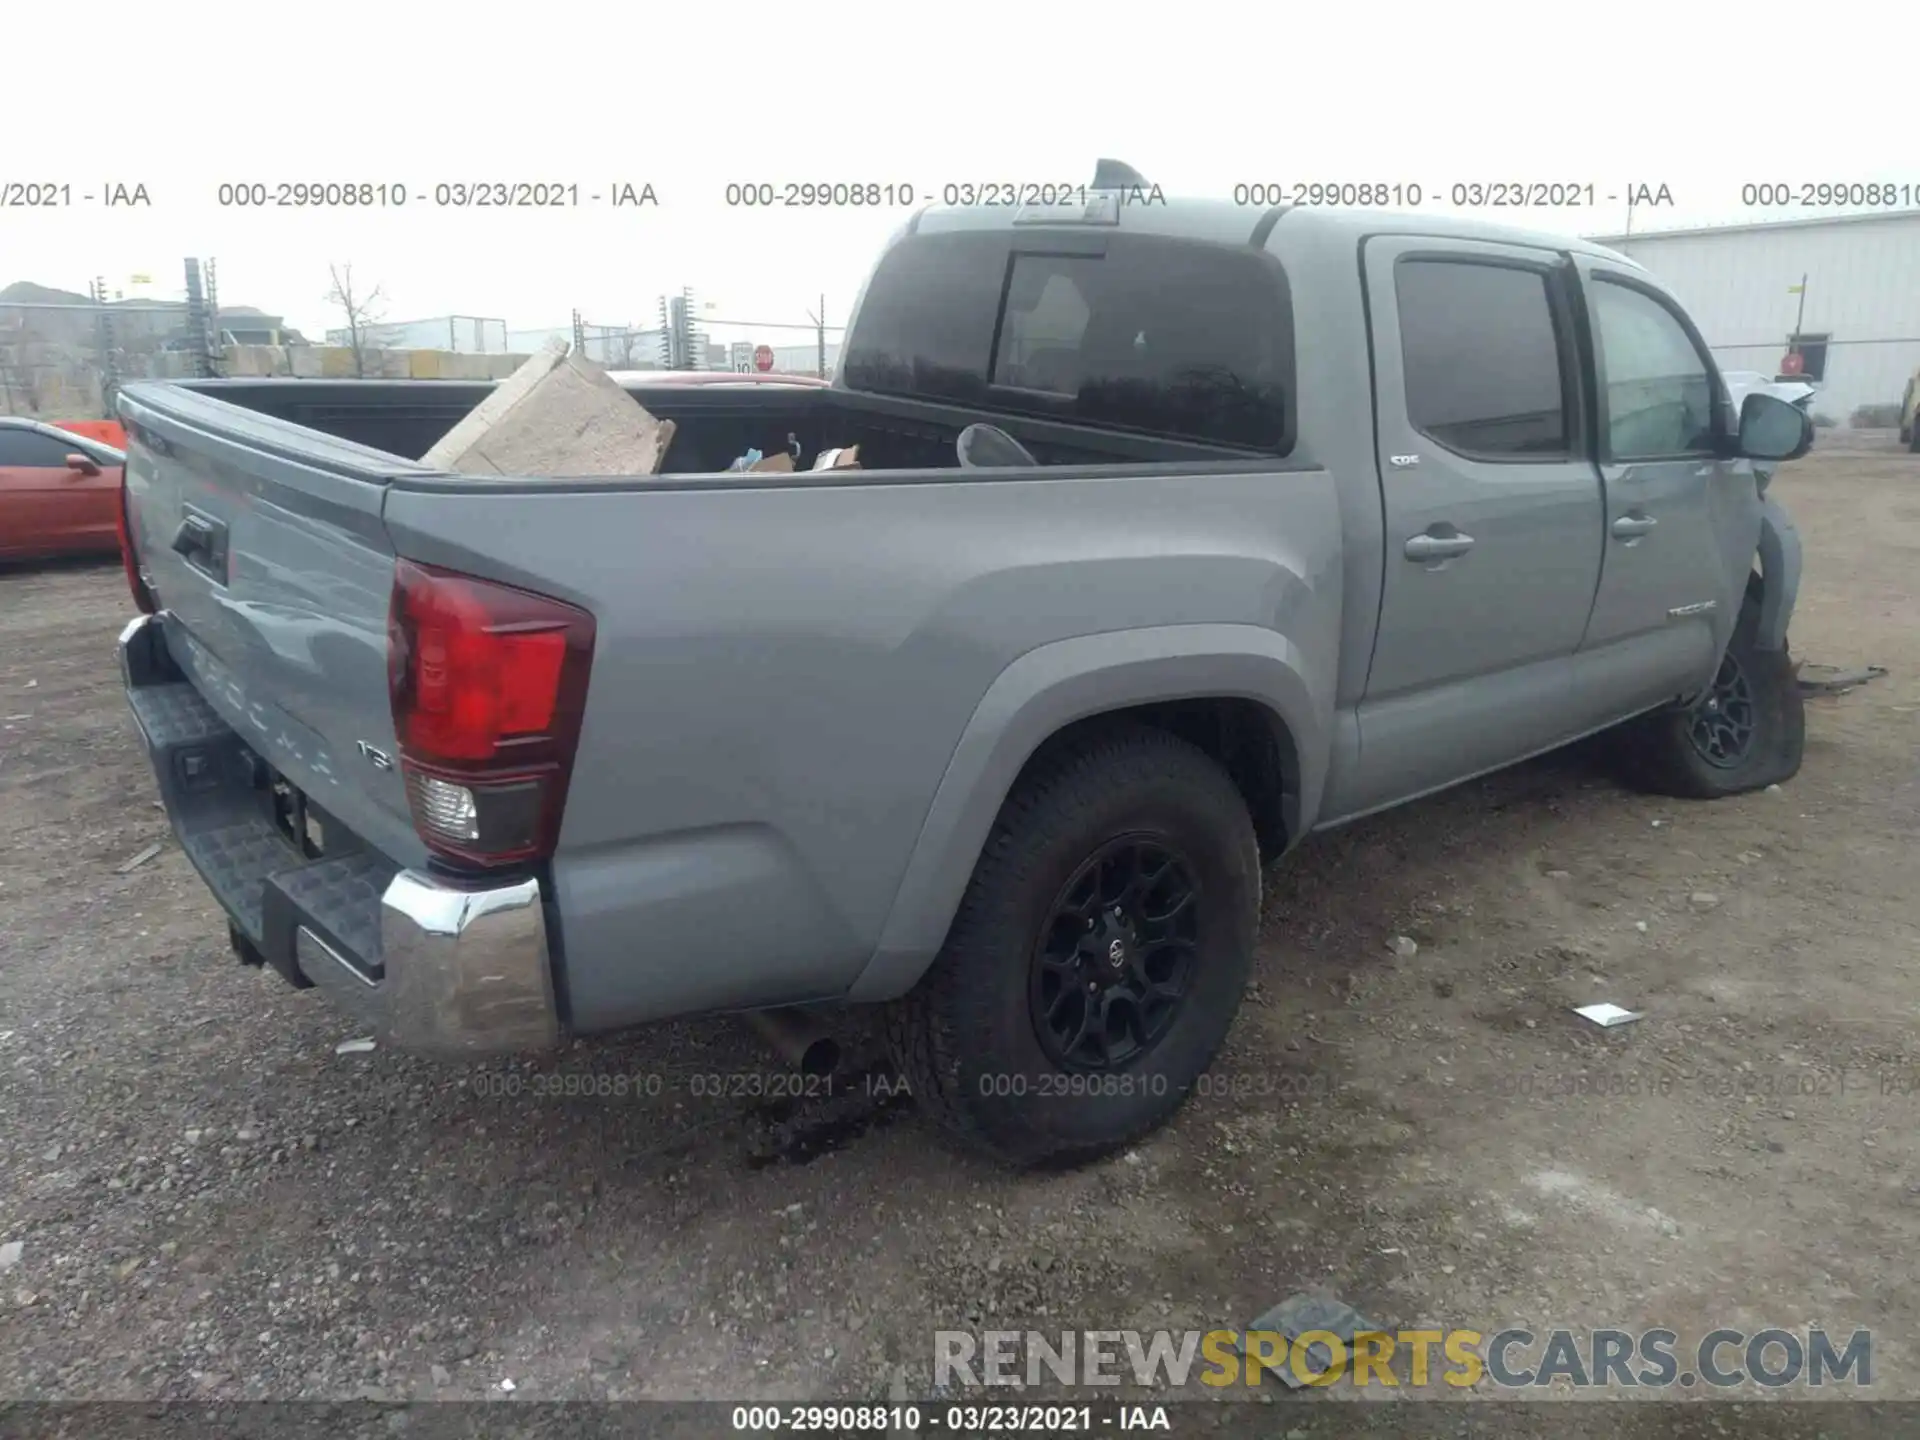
(1116, 175)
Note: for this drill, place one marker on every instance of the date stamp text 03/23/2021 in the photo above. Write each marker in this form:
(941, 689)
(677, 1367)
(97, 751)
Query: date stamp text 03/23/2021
(1783, 195)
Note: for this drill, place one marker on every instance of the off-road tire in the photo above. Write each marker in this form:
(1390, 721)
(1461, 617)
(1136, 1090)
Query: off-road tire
(966, 1039)
(1659, 754)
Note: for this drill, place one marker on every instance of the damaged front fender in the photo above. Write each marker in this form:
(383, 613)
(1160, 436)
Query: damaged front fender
(1780, 574)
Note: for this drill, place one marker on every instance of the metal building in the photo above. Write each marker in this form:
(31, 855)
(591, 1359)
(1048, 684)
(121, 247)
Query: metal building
(1855, 324)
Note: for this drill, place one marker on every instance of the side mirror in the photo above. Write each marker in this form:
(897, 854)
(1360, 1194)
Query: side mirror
(82, 463)
(1771, 429)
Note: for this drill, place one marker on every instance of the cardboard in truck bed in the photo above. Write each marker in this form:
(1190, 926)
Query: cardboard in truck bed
(846, 458)
(556, 415)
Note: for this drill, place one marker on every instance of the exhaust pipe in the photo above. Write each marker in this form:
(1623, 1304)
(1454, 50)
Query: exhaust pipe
(798, 1039)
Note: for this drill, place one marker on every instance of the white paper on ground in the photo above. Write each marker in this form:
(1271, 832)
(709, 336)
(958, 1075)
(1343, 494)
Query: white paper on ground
(1606, 1014)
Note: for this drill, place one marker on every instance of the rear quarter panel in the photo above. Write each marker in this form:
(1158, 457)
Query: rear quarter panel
(782, 678)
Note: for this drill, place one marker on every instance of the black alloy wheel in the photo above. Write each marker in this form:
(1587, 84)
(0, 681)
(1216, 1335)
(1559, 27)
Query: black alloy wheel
(1748, 730)
(1098, 956)
(1723, 723)
(1115, 955)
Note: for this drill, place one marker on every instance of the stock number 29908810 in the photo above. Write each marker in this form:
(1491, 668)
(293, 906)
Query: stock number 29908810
(1347, 194)
(817, 194)
(310, 195)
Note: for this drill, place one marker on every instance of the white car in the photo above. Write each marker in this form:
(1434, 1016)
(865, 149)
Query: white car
(1744, 382)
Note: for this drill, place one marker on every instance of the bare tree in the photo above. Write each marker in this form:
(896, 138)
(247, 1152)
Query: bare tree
(363, 312)
(630, 347)
(18, 382)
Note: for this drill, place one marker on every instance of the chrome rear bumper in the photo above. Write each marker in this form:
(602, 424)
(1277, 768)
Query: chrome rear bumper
(466, 971)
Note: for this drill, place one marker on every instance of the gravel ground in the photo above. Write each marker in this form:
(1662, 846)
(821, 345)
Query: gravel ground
(210, 1202)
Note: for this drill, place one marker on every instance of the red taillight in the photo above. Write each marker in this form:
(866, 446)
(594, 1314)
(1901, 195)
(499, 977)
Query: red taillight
(130, 562)
(488, 685)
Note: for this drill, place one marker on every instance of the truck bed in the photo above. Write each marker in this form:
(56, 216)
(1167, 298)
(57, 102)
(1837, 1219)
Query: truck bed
(801, 685)
(404, 418)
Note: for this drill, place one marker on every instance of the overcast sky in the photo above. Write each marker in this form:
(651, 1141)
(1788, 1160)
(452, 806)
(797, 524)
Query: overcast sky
(690, 97)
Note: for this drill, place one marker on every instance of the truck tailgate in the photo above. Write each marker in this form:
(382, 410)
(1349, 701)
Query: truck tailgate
(264, 548)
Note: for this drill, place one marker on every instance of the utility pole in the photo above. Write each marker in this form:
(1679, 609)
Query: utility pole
(819, 319)
(1792, 364)
(216, 336)
(105, 340)
(693, 346)
(197, 323)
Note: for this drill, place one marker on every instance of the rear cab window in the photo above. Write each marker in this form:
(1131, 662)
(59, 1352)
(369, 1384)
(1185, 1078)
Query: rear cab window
(1187, 340)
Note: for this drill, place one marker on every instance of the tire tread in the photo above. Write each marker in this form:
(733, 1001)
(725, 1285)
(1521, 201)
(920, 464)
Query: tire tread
(923, 1028)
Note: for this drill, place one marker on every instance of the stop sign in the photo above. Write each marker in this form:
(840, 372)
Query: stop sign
(1791, 363)
(763, 357)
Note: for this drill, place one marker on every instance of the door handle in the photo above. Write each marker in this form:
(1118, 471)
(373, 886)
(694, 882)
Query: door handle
(1438, 547)
(1632, 527)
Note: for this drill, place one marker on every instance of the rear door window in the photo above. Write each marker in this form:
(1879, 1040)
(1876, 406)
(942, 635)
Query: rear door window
(1185, 340)
(1482, 359)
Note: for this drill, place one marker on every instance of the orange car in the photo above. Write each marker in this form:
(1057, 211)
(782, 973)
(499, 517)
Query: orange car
(59, 492)
(107, 432)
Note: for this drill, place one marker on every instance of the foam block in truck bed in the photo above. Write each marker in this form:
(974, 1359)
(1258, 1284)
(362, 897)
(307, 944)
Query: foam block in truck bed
(556, 415)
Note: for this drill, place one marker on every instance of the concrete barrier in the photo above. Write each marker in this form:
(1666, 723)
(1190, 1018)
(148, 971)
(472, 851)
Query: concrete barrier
(65, 383)
(336, 362)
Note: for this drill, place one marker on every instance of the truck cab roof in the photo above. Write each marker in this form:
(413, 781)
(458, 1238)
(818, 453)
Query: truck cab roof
(1125, 308)
(1147, 212)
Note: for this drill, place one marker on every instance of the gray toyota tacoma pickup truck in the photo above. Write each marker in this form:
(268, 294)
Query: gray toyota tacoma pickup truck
(1184, 531)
